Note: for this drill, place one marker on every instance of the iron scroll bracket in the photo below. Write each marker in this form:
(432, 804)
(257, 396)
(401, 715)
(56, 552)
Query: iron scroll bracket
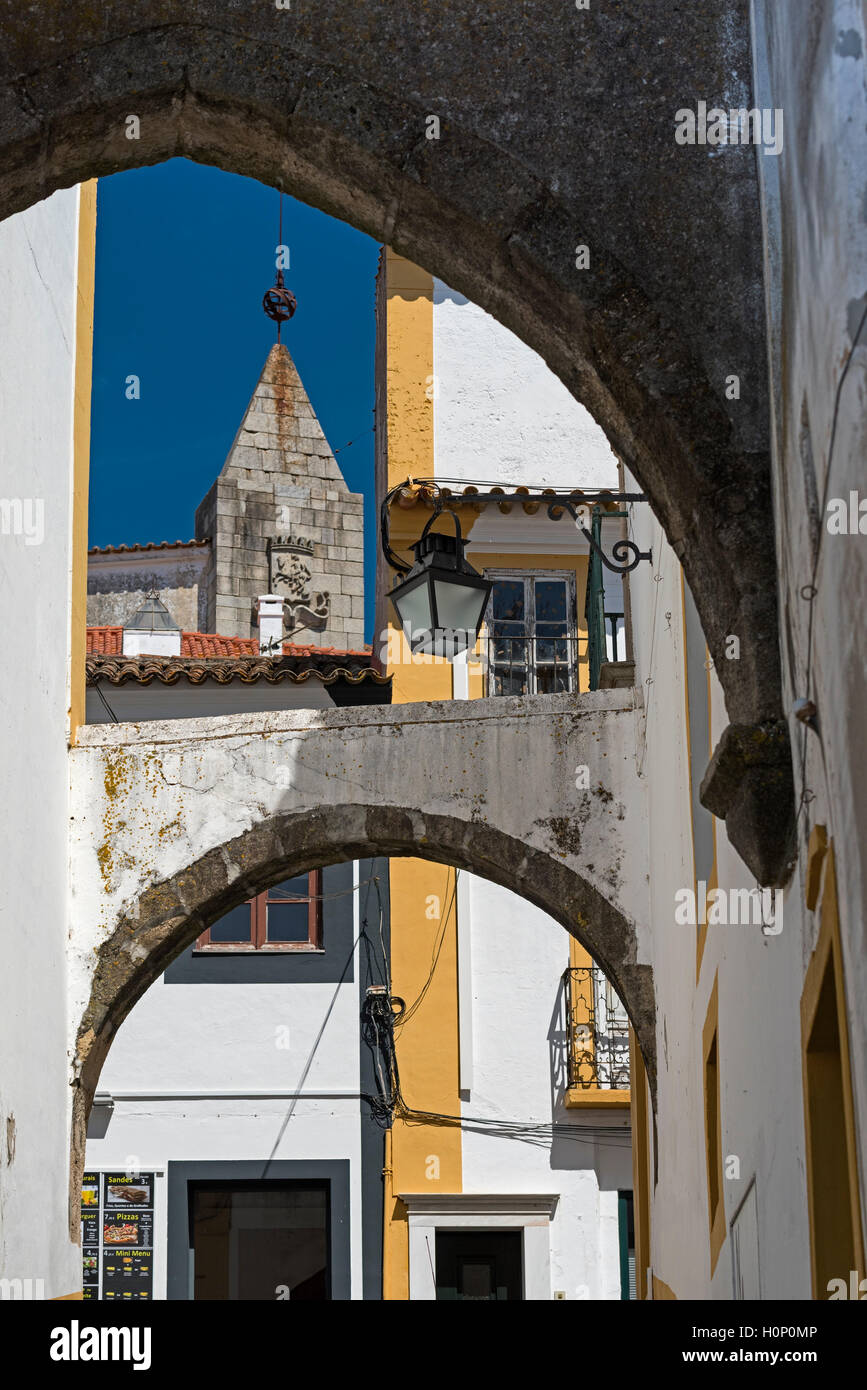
(620, 549)
(626, 554)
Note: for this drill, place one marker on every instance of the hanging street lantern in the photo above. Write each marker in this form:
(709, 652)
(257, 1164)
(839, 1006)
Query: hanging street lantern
(441, 600)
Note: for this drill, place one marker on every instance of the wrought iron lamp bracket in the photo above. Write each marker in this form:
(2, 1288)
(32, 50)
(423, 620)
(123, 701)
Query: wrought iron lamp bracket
(620, 549)
(626, 554)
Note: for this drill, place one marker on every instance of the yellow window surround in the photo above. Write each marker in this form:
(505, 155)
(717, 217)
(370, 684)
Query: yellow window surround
(834, 1207)
(713, 1127)
(580, 1020)
(640, 1166)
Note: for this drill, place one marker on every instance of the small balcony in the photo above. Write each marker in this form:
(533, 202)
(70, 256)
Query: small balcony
(597, 1040)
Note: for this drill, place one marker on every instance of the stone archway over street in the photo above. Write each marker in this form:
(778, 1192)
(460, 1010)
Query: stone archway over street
(426, 127)
(175, 823)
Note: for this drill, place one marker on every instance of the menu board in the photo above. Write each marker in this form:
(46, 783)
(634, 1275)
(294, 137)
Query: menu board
(117, 1235)
(90, 1234)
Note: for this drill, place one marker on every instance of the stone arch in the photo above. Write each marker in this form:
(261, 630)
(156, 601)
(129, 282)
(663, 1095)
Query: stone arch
(332, 102)
(170, 914)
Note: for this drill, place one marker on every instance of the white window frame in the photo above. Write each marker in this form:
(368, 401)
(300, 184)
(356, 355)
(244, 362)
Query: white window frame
(532, 1213)
(610, 1017)
(568, 576)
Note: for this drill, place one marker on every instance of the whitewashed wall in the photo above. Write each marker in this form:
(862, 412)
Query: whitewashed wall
(816, 272)
(117, 585)
(201, 1072)
(518, 956)
(759, 987)
(38, 254)
(500, 414)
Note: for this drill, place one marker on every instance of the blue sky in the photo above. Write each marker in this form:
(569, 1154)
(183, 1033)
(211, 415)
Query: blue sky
(184, 254)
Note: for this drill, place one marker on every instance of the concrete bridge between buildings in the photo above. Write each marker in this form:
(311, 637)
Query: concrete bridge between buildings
(174, 823)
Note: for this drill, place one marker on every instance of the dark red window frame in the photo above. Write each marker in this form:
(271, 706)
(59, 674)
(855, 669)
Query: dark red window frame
(259, 923)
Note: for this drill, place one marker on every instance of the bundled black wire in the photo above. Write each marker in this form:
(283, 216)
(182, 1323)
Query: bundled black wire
(381, 1012)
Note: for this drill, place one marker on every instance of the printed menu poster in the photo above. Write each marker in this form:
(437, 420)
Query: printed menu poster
(127, 1236)
(117, 1235)
(90, 1234)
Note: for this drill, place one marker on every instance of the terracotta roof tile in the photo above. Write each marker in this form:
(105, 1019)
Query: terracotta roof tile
(104, 641)
(108, 641)
(210, 656)
(147, 545)
(211, 644)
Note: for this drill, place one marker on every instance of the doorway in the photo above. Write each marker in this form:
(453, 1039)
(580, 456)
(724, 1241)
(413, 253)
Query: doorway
(479, 1266)
(260, 1241)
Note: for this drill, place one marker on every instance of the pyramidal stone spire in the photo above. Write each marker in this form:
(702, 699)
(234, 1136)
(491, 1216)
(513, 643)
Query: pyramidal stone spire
(280, 427)
(282, 521)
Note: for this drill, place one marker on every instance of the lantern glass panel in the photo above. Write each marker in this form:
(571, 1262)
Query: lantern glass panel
(459, 607)
(414, 608)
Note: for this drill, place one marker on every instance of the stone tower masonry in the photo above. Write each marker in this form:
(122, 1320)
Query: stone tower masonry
(283, 521)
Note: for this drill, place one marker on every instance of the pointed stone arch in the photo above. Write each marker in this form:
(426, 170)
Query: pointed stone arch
(547, 142)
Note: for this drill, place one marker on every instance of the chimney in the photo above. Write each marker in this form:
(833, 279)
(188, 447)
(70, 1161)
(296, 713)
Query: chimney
(152, 631)
(269, 610)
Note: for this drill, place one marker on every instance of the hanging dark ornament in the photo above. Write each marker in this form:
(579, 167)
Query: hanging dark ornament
(278, 302)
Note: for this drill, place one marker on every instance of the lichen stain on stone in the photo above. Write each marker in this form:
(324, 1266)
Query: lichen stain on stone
(104, 859)
(566, 834)
(171, 831)
(116, 781)
(116, 776)
(613, 875)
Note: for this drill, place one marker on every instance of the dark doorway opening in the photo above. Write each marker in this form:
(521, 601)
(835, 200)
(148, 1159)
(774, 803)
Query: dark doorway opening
(626, 1228)
(260, 1241)
(479, 1266)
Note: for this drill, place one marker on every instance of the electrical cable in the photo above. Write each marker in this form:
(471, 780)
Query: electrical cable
(308, 1064)
(324, 897)
(438, 946)
(350, 442)
(803, 800)
(378, 1023)
(97, 688)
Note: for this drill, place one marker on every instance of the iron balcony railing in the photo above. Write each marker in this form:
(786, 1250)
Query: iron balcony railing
(520, 664)
(597, 1032)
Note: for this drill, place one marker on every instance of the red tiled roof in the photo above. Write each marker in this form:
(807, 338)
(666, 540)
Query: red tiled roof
(108, 641)
(211, 644)
(104, 641)
(147, 545)
(208, 656)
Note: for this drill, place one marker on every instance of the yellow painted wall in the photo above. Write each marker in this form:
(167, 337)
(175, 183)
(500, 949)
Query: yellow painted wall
(81, 450)
(419, 1158)
(640, 1121)
(423, 1157)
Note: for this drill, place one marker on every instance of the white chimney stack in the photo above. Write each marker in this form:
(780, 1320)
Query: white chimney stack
(269, 609)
